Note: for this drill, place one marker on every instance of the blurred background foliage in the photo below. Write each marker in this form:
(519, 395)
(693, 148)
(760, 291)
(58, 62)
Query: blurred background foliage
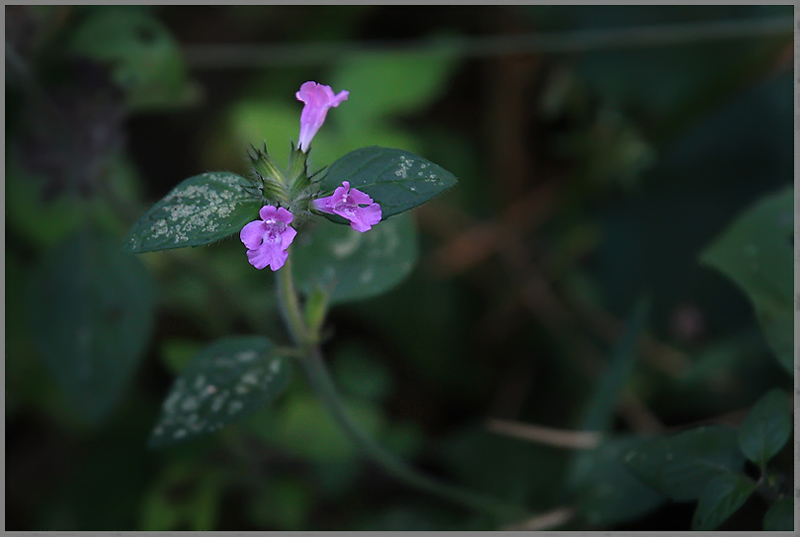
(595, 168)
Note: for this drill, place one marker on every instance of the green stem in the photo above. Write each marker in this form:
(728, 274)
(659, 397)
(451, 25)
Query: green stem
(322, 384)
(290, 305)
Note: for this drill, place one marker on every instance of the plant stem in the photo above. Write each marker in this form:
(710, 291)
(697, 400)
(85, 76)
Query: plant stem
(290, 305)
(322, 384)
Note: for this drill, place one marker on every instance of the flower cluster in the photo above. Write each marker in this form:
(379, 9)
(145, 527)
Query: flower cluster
(268, 239)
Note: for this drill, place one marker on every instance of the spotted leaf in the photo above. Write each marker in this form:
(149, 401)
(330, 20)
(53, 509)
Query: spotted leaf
(349, 265)
(227, 380)
(200, 210)
(396, 180)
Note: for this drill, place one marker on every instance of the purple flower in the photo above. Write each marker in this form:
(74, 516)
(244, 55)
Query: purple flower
(346, 202)
(267, 239)
(318, 99)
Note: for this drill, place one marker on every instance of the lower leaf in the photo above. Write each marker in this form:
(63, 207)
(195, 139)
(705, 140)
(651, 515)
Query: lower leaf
(722, 497)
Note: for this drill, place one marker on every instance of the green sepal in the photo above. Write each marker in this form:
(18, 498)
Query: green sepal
(297, 172)
(274, 184)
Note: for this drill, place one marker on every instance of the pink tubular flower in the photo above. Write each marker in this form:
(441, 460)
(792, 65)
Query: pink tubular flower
(267, 239)
(346, 202)
(318, 99)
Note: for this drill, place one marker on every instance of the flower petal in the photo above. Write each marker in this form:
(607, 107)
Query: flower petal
(252, 234)
(267, 212)
(287, 237)
(359, 198)
(318, 99)
(284, 216)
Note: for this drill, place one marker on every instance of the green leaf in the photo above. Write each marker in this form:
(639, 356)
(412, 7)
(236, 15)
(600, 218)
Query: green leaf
(722, 497)
(227, 380)
(680, 465)
(388, 83)
(358, 372)
(306, 429)
(397, 180)
(145, 60)
(780, 516)
(184, 496)
(200, 210)
(605, 491)
(756, 253)
(767, 428)
(600, 412)
(284, 504)
(90, 313)
(350, 265)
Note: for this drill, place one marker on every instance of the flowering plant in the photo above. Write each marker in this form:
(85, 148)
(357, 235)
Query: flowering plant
(281, 216)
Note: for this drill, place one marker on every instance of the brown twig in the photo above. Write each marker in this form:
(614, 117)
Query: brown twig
(561, 438)
(544, 521)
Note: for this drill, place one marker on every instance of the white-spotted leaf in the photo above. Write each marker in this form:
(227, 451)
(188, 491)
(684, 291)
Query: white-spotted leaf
(226, 381)
(395, 179)
(200, 210)
(349, 265)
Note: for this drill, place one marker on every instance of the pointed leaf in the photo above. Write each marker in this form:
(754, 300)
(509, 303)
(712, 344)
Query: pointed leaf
(780, 516)
(721, 497)
(600, 412)
(350, 265)
(756, 253)
(227, 380)
(90, 314)
(605, 491)
(200, 210)
(767, 428)
(680, 465)
(145, 60)
(397, 180)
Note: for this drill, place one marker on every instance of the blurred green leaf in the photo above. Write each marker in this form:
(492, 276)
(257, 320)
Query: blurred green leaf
(358, 372)
(90, 313)
(176, 354)
(145, 60)
(395, 179)
(600, 412)
(43, 222)
(306, 429)
(389, 83)
(284, 504)
(756, 253)
(605, 491)
(350, 265)
(183, 498)
(227, 380)
(767, 428)
(679, 466)
(200, 210)
(780, 516)
(721, 497)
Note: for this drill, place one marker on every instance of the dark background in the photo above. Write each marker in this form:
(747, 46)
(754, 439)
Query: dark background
(589, 177)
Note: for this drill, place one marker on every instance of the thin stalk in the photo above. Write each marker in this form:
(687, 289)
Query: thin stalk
(322, 384)
(290, 305)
